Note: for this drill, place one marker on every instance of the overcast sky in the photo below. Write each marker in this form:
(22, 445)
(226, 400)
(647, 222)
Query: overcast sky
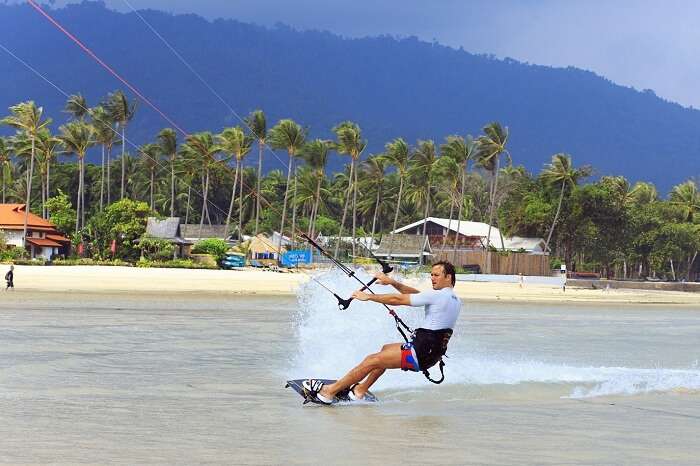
(646, 44)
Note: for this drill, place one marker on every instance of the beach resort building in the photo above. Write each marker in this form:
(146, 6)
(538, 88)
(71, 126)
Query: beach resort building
(465, 245)
(169, 230)
(192, 232)
(43, 241)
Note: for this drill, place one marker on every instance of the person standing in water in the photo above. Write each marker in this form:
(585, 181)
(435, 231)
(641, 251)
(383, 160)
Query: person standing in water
(10, 277)
(427, 347)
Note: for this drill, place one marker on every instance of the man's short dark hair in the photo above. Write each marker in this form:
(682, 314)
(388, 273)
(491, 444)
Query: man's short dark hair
(449, 269)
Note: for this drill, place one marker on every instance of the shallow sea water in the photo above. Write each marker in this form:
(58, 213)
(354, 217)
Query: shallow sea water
(200, 380)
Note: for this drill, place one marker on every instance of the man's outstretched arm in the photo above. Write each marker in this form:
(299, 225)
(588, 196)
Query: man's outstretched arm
(390, 299)
(400, 287)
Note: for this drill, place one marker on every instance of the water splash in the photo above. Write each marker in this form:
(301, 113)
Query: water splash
(331, 341)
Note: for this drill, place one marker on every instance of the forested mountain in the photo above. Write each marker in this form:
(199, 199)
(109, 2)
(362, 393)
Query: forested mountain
(390, 87)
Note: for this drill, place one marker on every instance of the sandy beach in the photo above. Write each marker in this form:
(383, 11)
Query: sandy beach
(100, 279)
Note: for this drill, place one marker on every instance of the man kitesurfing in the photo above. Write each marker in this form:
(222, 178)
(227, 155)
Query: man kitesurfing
(426, 348)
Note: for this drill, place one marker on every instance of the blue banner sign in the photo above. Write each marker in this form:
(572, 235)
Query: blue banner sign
(296, 257)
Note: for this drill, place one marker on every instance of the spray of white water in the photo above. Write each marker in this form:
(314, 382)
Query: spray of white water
(332, 341)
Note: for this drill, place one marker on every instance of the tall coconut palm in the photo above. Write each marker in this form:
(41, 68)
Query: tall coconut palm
(374, 172)
(257, 124)
(77, 106)
(398, 154)
(105, 135)
(235, 142)
(77, 137)
(422, 171)
(643, 193)
(315, 154)
(290, 136)
(350, 142)
(491, 145)
(5, 162)
(26, 118)
(462, 152)
(47, 150)
(203, 151)
(447, 174)
(561, 171)
(120, 111)
(150, 161)
(686, 196)
(168, 144)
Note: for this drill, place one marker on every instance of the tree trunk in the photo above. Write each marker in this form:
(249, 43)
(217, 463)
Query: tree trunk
(494, 189)
(172, 186)
(396, 217)
(293, 205)
(233, 196)
(82, 192)
(459, 215)
(314, 210)
(102, 179)
(673, 271)
(152, 182)
(354, 213)
(123, 159)
(77, 201)
(284, 204)
(48, 183)
(109, 178)
(345, 207)
(187, 209)
(449, 227)
(204, 203)
(29, 194)
(374, 218)
(556, 216)
(690, 264)
(240, 205)
(425, 226)
(257, 192)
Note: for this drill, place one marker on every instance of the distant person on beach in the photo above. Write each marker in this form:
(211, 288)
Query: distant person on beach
(9, 278)
(426, 348)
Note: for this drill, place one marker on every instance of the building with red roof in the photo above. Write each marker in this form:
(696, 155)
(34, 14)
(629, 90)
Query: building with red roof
(43, 240)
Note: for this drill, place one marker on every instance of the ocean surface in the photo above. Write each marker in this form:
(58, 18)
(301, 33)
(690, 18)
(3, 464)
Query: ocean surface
(175, 379)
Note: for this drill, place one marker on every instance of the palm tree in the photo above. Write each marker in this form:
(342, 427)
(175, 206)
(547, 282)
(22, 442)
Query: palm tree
(462, 152)
(5, 162)
(26, 118)
(77, 137)
(235, 142)
(257, 124)
(201, 150)
(561, 171)
(315, 154)
(350, 142)
(120, 111)
(168, 144)
(491, 146)
(47, 146)
(290, 136)
(686, 196)
(105, 136)
(422, 171)
(150, 155)
(77, 106)
(643, 193)
(398, 154)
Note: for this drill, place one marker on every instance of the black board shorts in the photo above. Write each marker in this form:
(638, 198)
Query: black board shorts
(428, 346)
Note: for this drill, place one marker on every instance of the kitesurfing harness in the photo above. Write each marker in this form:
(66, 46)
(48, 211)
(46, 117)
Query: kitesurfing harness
(343, 304)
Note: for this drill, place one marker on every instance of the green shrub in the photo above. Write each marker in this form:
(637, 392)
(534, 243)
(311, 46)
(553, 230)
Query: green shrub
(13, 254)
(213, 246)
(174, 264)
(155, 248)
(88, 261)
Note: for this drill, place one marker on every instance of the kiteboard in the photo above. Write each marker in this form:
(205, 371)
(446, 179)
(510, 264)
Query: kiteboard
(342, 396)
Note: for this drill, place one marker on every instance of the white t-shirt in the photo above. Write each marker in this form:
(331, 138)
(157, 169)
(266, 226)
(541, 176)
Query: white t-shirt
(441, 308)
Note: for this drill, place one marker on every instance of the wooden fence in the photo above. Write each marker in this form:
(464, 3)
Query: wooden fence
(510, 264)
